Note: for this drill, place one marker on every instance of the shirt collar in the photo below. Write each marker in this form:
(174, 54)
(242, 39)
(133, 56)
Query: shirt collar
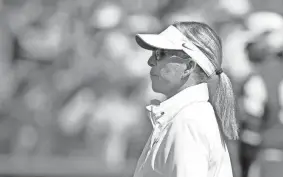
(161, 114)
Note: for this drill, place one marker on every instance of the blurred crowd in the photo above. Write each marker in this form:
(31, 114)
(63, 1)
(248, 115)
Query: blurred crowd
(74, 83)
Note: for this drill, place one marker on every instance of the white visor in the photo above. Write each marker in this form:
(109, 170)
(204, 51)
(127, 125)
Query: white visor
(172, 39)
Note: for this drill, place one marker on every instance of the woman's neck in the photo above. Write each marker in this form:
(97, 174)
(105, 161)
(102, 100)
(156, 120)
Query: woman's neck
(179, 89)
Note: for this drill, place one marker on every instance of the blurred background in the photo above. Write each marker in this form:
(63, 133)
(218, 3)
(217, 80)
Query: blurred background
(74, 84)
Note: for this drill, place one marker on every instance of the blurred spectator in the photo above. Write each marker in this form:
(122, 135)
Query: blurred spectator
(252, 101)
(258, 104)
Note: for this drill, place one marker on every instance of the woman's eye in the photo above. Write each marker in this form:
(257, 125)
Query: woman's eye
(162, 53)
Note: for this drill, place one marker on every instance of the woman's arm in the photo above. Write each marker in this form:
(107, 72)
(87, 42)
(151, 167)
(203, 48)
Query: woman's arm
(189, 152)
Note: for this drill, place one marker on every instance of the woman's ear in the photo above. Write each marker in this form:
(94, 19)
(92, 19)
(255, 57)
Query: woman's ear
(190, 67)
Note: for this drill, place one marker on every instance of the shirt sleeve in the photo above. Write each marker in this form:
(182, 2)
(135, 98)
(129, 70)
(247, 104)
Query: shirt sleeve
(189, 148)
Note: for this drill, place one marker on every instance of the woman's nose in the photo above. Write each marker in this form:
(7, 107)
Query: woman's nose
(151, 62)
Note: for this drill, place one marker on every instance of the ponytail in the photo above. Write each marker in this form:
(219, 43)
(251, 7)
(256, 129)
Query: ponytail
(223, 102)
(222, 99)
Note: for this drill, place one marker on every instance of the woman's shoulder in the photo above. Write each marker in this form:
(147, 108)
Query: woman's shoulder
(197, 111)
(200, 115)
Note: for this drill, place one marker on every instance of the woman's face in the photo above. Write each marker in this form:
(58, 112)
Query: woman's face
(167, 69)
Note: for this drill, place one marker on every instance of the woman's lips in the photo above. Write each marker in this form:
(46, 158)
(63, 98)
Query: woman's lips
(153, 75)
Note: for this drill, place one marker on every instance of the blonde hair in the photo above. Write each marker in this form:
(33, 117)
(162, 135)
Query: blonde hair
(223, 100)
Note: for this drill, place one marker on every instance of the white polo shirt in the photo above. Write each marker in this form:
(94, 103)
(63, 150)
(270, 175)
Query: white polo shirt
(186, 140)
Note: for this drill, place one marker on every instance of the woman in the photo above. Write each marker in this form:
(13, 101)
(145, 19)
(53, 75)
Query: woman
(189, 133)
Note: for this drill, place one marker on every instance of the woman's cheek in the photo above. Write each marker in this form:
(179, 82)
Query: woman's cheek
(167, 73)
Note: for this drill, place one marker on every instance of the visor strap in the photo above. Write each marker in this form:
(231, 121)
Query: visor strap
(191, 49)
(199, 57)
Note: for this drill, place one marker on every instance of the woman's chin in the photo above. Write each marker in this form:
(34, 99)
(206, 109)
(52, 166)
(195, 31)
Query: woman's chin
(156, 88)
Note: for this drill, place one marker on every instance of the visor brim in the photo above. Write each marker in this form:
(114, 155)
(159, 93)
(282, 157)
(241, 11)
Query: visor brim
(154, 41)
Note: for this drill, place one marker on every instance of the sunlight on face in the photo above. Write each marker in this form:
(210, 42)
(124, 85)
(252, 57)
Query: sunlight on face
(167, 68)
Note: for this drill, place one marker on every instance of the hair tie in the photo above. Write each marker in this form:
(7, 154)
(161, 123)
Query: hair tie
(219, 71)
